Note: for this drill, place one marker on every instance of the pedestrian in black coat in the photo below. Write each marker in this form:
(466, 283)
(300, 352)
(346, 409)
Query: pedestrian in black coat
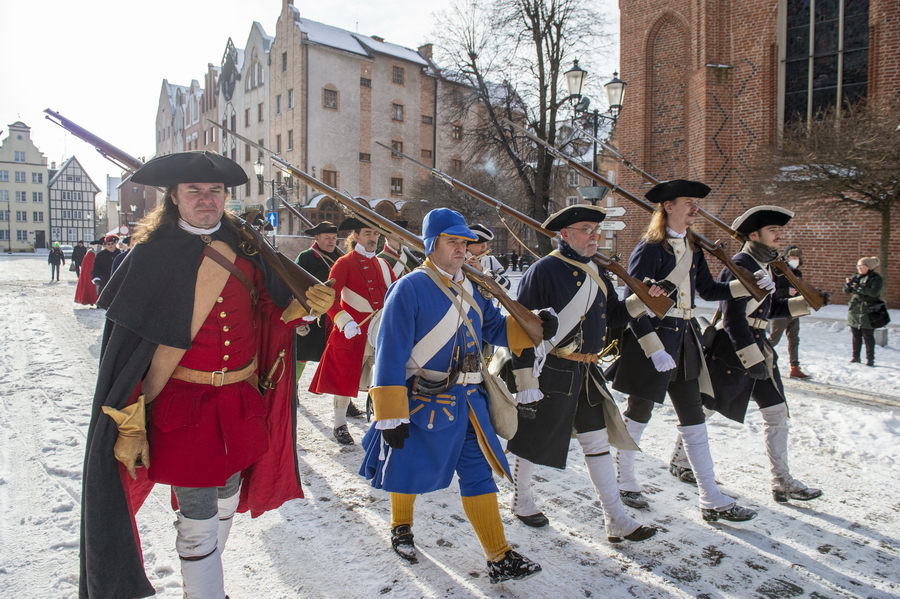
(103, 262)
(54, 259)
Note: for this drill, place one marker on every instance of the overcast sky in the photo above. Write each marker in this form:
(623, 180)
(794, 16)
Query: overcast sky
(101, 63)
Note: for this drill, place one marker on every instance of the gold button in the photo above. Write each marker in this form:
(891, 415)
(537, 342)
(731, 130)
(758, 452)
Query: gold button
(226, 329)
(682, 294)
(574, 273)
(601, 304)
(222, 314)
(578, 284)
(219, 300)
(677, 251)
(227, 343)
(225, 357)
(676, 329)
(225, 369)
(604, 316)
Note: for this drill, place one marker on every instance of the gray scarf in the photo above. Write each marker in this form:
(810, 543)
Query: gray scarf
(760, 252)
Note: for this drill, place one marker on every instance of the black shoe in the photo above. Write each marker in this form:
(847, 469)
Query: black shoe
(685, 475)
(641, 534)
(854, 360)
(538, 520)
(402, 542)
(634, 499)
(354, 412)
(735, 513)
(342, 435)
(513, 566)
(870, 362)
(801, 495)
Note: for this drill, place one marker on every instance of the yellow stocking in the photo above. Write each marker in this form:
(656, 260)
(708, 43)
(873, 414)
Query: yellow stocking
(402, 509)
(483, 513)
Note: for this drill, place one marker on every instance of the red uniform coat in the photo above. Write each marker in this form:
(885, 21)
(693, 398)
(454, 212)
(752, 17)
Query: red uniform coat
(361, 284)
(86, 291)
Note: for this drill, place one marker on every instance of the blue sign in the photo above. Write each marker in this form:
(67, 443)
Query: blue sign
(272, 217)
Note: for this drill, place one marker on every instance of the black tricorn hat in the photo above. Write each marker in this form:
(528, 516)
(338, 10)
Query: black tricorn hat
(668, 191)
(761, 216)
(323, 227)
(574, 214)
(190, 167)
(402, 223)
(484, 234)
(352, 223)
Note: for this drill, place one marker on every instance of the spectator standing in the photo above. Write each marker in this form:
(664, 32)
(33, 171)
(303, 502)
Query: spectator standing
(86, 291)
(864, 287)
(78, 254)
(102, 269)
(777, 326)
(54, 258)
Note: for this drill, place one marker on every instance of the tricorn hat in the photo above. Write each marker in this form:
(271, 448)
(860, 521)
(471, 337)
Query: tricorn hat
(353, 223)
(574, 214)
(668, 191)
(482, 232)
(761, 216)
(323, 227)
(190, 167)
(110, 238)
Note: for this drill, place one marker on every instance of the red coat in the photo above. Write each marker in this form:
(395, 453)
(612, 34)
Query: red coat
(86, 291)
(361, 284)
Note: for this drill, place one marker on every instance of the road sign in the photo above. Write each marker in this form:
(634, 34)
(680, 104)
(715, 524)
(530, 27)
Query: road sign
(272, 217)
(612, 225)
(615, 211)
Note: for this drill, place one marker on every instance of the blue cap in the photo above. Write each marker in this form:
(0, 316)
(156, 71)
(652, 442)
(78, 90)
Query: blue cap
(444, 221)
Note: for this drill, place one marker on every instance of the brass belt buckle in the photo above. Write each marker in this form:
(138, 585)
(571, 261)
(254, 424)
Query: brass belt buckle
(213, 376)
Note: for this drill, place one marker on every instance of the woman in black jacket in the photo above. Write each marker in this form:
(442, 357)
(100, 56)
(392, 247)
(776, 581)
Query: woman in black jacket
(54, 258)
(864, 287)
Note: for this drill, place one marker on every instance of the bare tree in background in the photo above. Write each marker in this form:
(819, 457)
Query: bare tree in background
(850, 159)
(510, 56)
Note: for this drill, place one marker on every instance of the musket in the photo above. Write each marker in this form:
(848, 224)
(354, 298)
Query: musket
(124, 161)
(295, 277)
(747, 278)
(530, 323)
(812, 295)
(659, 304)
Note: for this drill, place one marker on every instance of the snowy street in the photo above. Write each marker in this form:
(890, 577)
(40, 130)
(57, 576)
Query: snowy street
(844, 439)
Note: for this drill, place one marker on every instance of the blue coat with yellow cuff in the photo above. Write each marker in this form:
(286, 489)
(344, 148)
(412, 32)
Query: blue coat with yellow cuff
(450, 432)
(634, 373)
(741, 342)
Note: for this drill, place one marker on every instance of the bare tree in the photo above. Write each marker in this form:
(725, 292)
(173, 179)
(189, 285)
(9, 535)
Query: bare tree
(510, 57)
(849, 158)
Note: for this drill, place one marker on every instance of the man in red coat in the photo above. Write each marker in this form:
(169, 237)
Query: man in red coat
(195, 384)
(361, 280)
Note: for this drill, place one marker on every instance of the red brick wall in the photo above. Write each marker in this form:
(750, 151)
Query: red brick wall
(702, 101)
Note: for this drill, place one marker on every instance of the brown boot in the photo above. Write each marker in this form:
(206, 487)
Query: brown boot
(796, 373)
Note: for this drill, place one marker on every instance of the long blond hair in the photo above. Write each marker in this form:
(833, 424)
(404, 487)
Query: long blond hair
(656, 229)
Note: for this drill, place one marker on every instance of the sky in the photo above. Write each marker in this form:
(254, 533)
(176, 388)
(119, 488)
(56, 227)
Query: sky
(101, 63)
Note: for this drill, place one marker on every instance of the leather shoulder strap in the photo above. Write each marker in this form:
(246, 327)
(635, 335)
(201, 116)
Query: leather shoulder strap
(228, 265)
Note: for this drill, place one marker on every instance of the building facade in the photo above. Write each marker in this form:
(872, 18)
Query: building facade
(24, 213)
(707, 94)
(72, 196)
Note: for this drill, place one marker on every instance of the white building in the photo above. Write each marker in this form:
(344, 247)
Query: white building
(72, 204)
(23, 192)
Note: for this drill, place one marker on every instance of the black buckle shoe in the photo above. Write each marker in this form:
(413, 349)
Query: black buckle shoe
(513, 566)
(801, 495)
(342, 435)
(538, 520)
(354, 412)
(641, 534)
(402, 542)
(685, 475)
(735, 513)
(634, 499)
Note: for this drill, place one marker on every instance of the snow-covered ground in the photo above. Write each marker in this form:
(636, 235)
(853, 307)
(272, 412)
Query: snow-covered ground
(845, 438)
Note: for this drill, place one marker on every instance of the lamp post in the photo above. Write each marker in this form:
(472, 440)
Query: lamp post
(279, 189)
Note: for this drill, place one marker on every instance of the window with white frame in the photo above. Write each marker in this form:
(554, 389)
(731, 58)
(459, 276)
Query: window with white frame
(21, 216)
(77, 214)
(330, 98)
(4, 215)
(65, 195)
(20, 176)
(67, 215)
(4, 235)
(397, 75)
(72, 234)
(37, 177)
(20, 156)
(37, 217)
(76, 195)
(397, 186)
(571, 200)
(21, 235)
(21, 196)
(4, 176)
(572, 179)
(4, 195)
(56, 234)
(290, 99)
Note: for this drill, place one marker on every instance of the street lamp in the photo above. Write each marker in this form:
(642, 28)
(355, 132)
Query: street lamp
(279, 189)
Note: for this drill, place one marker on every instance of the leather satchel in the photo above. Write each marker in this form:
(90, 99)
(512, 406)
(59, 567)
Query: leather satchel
(878, 314)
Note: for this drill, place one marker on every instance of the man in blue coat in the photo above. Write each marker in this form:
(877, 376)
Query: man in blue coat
(742, 363)
(431, 414)
(571, 392)
(661, 356)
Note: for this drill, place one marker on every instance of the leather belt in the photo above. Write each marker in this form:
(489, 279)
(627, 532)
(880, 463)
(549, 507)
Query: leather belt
(757, 323)
(216, 378)
(469, 378)
(685, 313)
(576, 357)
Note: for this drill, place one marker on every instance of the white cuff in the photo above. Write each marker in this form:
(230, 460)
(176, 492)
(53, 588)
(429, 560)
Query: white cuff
(341, 319)
(529, 396)
(750, 355)
(635, 306)
(650, 342)
(390, 423)
(738, 290)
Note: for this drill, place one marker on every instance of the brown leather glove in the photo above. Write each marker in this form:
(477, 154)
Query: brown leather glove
(131, 447)
(320, 298)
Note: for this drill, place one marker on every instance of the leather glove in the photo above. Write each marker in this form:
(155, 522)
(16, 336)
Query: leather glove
(764, 281)
(826, 296)
(303, 331)
(667, 286)
(320, 298)
(131, 446)
(758, 371)
(528, 410)
(550, 324)
(662, 361)
(351, 330)
(395, 437)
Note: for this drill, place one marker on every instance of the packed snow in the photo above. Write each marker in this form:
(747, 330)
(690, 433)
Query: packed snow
(336, 542)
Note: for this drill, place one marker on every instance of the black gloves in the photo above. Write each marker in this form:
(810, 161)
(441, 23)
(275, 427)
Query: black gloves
(395, 437)
(667, 286)
(758, 371)
(826, 296)
(550, 324)
(528, 411)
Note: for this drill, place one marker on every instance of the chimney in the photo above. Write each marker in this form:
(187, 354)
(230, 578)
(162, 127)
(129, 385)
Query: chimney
(426, 50)
(377, 39)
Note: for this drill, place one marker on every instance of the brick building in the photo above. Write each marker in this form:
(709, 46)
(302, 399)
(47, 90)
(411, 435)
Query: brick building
(711, 83)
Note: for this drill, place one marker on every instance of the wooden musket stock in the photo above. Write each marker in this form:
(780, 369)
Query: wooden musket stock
(659, 304)
(531, 324)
